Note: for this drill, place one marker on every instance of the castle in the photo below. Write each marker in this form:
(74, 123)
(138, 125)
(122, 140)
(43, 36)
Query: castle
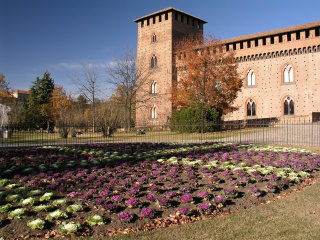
(280, 68)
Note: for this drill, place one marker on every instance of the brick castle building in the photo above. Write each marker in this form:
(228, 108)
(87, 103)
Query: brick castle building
(280, 68)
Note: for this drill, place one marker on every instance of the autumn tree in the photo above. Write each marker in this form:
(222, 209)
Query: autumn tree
(129, 76)
(206, 75)
(60, 106)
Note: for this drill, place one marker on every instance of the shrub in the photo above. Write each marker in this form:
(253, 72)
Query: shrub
(189, 119)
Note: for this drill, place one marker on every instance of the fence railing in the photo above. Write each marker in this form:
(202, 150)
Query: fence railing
(260, 132)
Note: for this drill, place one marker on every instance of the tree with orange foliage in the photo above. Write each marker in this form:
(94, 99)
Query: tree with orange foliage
(59, 107)
(206, 74)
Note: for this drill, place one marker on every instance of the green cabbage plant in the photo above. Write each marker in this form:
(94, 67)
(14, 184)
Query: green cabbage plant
(17, 213)
(67, 228)
(75, 208)
(95, 219)
(36, 224)
(56, 214)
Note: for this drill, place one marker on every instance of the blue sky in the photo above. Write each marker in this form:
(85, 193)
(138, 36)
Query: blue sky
(62, 35)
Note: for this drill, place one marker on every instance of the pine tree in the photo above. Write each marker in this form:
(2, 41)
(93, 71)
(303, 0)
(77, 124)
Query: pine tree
(40, 93)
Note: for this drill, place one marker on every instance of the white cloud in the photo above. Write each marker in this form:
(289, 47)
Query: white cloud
(72, 66)
(77, 66)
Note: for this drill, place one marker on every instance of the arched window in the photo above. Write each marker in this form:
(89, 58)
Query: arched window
(288, 74)
(251, 108)
(288, 106)
(153, 112)
(251, 78)
(154, 61)
(154, 38)
(154, 87)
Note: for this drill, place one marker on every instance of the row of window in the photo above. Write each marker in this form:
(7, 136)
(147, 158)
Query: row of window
(288, 107)
(287, 76)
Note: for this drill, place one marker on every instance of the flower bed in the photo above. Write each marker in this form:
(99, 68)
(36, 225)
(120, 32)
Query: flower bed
(55, 190)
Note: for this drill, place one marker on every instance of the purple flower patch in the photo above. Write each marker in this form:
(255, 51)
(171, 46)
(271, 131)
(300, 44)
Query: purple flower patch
(186, 198)
(204, 195)
(125, 217)
(150, 197)
(105, 193)
(117, 198)
(205, 208)
(133, 202)
(147, 212)
(183, 211)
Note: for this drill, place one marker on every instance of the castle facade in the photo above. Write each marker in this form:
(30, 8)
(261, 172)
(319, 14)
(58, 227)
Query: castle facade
(280, 69)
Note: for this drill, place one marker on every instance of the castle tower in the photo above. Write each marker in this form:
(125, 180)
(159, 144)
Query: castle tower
(157, 33)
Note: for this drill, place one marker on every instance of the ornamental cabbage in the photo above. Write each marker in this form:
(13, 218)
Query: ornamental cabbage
(46, 197)
(67, 228)
(75, 208)
(36, 224)
(17, 213)
(56, 214)
(95, 220)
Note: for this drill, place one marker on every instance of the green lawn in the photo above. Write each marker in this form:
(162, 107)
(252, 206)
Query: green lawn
(154, 136)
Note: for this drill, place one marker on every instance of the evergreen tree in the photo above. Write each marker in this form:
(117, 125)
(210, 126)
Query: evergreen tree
(34, 114)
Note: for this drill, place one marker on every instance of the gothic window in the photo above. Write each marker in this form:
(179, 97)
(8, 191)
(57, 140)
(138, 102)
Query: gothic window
(288, 106)
(154, 61)
(153, 112)
(154, 38)
(154, 87)
(251, 108)
(288, 74)
(251, 78)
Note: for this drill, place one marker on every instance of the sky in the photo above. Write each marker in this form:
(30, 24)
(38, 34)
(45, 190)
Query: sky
(63, 35)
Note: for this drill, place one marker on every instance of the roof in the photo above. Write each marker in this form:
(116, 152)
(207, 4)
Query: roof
(21, 91)
(273, 32)
(169, 9)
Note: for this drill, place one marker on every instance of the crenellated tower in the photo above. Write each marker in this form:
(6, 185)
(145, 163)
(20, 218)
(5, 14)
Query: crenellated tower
(157, 33)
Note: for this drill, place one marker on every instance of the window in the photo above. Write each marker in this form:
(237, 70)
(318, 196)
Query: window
(251, 108)
(251, 78)
(166, 16)
(288, 74)
(153, 112)
(160, 18)
(154, 61)
(154, 37)
(288, 106)
(154, 87)
(142, 24)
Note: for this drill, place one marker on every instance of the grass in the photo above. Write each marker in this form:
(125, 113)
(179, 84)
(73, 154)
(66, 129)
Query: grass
(89, 137)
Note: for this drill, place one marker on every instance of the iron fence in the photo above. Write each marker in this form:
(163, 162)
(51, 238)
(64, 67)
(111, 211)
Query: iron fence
(297, 133)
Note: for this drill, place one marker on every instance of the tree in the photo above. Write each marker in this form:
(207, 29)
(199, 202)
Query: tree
(207, 75)
(34, 112)
(87, 83)
(128, 76)
(4, 90)
(59, 107)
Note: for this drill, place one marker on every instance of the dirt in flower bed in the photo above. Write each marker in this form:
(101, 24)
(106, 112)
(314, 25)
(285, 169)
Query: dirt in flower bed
(140, 194)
